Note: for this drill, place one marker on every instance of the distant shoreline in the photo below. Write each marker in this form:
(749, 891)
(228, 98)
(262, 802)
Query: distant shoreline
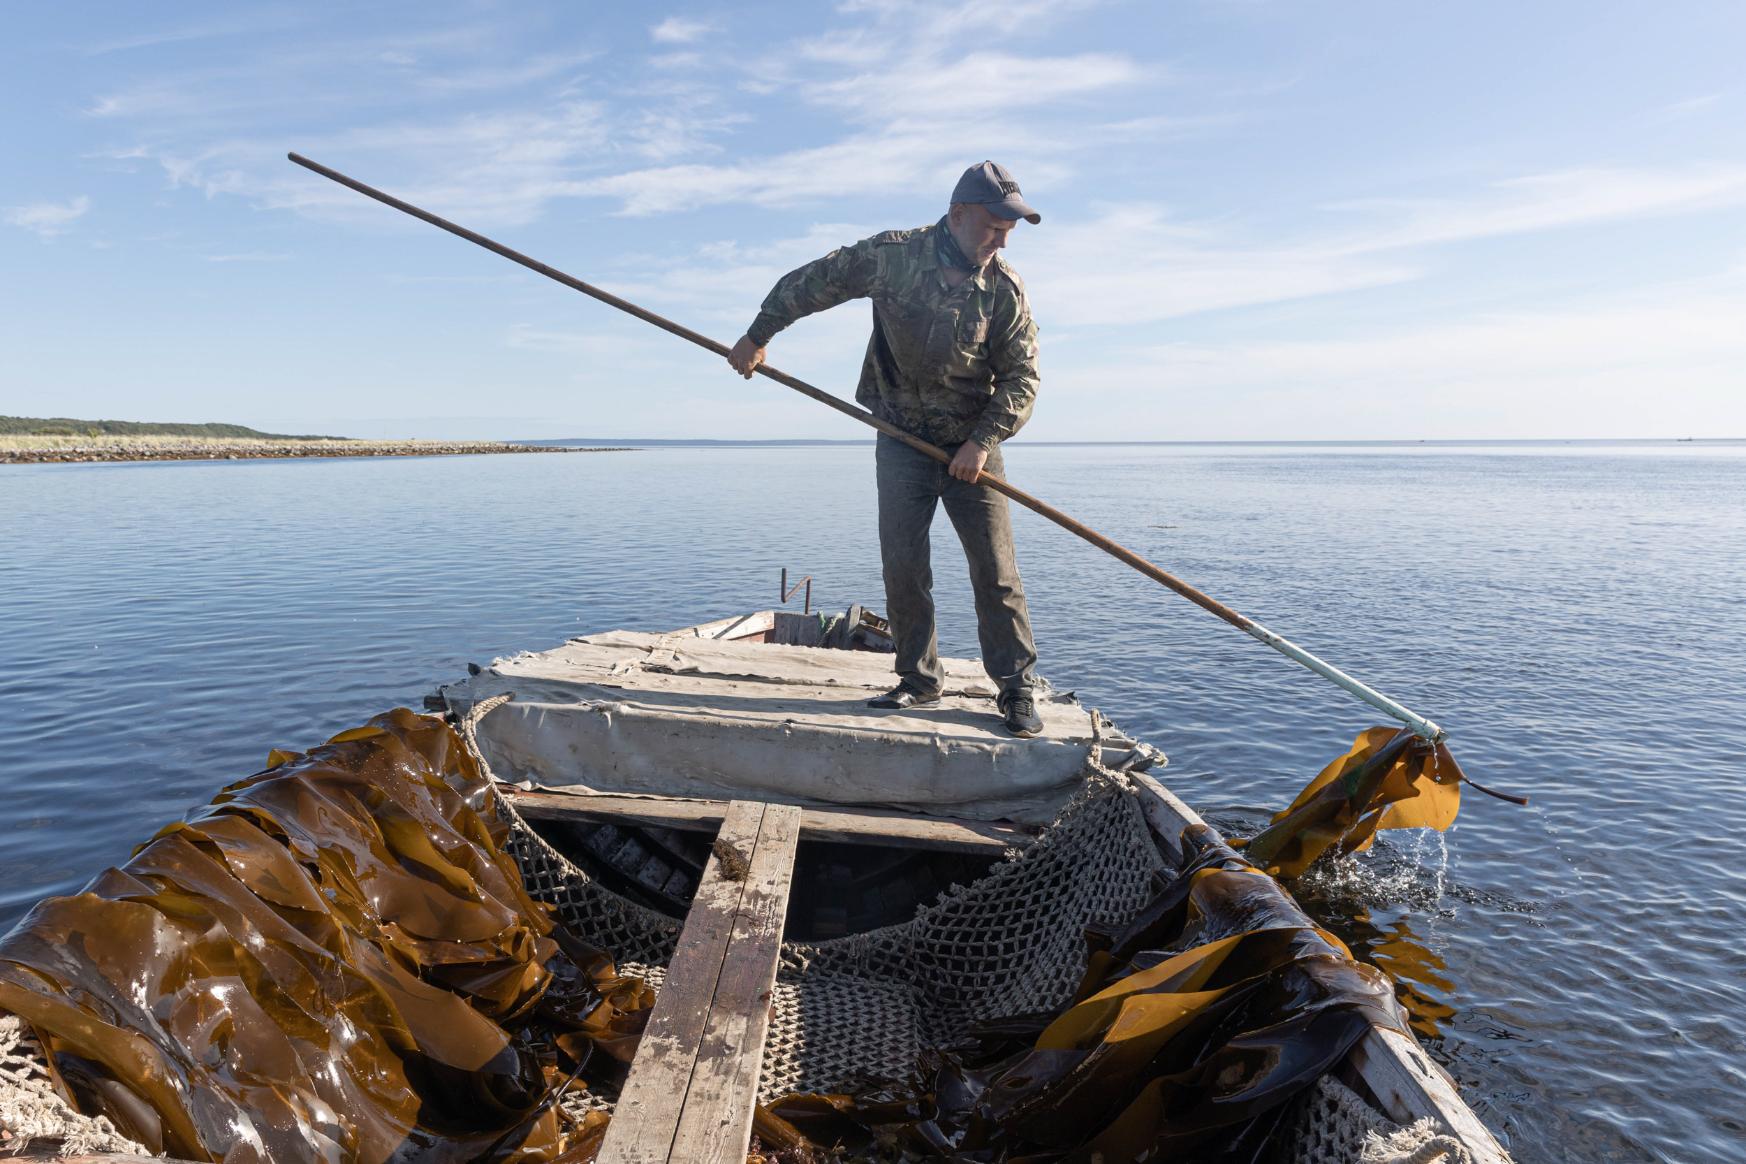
(40, 450)
(21, 449)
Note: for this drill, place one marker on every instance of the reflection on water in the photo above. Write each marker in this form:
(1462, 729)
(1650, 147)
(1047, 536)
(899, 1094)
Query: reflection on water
(1570, 615)
(1383, 935)
(1370, 901)
(1392, 946)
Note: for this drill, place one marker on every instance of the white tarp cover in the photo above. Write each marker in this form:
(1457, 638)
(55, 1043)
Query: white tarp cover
(676, 715)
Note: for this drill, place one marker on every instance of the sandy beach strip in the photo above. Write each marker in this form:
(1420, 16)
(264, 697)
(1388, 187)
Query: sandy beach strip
(47, 449)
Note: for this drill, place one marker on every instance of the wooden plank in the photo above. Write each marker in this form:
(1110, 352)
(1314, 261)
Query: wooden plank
(852, 827)
(716, 1125)
(873, 826)
(1410, 1086)
(647, 1115)
(1165, 812)
(740, 626)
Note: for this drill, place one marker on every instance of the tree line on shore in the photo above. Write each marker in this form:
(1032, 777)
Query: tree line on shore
(65, 426)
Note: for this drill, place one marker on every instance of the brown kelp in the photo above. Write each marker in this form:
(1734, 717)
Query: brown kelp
(335, 960)
(1195, 1024)
(1389, 779)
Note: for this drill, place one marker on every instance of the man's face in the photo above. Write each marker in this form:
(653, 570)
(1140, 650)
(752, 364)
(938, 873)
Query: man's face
(979, 232)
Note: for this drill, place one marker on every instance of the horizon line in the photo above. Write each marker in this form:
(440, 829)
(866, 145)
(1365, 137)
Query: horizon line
(1380, 441)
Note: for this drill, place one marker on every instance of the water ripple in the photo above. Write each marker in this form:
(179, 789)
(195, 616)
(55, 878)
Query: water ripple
(1573, 620)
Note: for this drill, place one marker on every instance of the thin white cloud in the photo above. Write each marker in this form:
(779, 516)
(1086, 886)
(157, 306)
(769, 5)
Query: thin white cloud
(533, 127)
(864, 165)
(924, 107)
(898, 122)
(48, 219)
(1165, 126)
(487, 169)
(570, 343)
(447, 280)
(516, 75)
(155, 100)
(122, 154)
(1150, 283)
(909, 28)
(1131, 264)
(900, 159)
(729, 276)
(295, 81)
(977, 83)
(1546, 201)
(614, 351)
(255, 23)
(1690, 106)
(1578, 370)
(654, 149)
(679, 30)
(678, 62)
(663, 135)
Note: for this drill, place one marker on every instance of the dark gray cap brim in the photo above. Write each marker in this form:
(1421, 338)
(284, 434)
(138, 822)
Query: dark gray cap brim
(1013, 209)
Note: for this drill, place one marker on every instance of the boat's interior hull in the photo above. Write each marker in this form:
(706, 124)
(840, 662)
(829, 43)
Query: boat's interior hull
(839, 889)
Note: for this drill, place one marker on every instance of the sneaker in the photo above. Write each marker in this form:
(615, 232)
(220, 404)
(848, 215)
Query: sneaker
(901, 698)
(1018, 710)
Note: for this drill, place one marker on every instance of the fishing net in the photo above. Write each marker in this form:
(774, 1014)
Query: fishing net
(1333, 1125)
(32, 1110)
(854, 1011)
(861, 1007)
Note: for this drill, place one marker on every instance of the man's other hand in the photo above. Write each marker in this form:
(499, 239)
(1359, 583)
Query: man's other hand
(746, 356)
(967, 464)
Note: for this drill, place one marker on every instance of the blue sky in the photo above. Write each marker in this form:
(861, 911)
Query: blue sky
(1262, 219)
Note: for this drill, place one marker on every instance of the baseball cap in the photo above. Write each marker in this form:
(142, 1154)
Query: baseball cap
(993, 186)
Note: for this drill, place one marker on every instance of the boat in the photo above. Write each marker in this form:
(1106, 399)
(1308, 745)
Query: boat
(805, 903)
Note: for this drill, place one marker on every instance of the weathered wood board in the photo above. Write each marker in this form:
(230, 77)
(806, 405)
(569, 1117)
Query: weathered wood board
(1410, 1086)
(693, 1084)
(716, 1123)
(846, 826)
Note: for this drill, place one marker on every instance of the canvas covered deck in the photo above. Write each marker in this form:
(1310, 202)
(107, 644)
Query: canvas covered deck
(710, 713)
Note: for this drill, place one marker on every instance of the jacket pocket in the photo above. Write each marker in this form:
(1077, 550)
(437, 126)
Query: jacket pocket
(967, 358)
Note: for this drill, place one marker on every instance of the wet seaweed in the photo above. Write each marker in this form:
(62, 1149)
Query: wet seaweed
(337, 960)
(1389, 779)
(334, 960)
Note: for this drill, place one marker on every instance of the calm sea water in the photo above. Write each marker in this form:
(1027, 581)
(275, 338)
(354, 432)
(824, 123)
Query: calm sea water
(1571, 614)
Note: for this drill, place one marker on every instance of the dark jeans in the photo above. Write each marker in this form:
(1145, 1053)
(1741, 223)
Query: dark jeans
(910, 486)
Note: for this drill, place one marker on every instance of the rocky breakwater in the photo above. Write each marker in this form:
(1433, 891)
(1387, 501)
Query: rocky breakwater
(45, 449)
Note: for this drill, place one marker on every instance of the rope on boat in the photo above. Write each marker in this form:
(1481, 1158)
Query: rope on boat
(469, 729)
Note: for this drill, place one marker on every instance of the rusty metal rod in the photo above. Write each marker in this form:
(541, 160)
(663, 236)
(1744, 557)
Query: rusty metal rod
(1419, 724)
(787, 593)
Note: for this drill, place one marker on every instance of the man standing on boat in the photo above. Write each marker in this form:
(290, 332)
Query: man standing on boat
(952, 360)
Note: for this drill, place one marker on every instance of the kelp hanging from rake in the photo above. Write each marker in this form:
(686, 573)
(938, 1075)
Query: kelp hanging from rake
(1389, 779)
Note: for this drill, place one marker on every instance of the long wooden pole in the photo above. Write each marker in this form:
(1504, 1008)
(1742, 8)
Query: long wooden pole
(1419, 724)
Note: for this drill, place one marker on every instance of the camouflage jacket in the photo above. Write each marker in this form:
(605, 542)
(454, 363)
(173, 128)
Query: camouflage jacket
(947, 364)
